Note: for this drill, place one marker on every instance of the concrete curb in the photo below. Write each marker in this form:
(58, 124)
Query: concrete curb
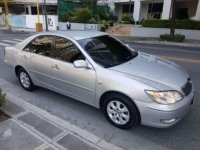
(63, 124)
(156, 41)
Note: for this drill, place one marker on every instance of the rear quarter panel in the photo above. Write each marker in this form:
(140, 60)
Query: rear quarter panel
(10, 57)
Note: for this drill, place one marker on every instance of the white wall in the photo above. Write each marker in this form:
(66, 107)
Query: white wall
(156, 32)
(31, 20)
(80, 26)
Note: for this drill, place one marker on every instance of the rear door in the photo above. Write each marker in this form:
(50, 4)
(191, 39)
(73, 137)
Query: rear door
(37, 56)
(78, 83)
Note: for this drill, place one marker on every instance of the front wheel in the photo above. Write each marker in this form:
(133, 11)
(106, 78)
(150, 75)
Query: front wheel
(25, 80)
(121, 111)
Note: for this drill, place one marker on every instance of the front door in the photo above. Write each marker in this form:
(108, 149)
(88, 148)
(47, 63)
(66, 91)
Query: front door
(78, 83)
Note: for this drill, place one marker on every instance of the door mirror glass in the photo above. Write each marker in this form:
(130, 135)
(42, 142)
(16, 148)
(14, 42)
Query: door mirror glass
(81, 64)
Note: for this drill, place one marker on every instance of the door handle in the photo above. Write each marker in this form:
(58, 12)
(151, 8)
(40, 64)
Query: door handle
(55, 67)
(25, 57)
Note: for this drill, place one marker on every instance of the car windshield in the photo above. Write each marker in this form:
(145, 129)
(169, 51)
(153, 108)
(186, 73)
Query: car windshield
(107, 51)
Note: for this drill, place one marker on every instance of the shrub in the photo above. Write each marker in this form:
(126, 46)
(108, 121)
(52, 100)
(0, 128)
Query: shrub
(2, 97)
(127, 18)
(79, 15)
(173, 38)
(83, 15)
(103, 28)
(104, 16)
(92, 21)
(96, 17)
(179, 24)
(113, 17)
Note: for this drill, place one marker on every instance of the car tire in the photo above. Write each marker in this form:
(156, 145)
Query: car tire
(25, 80)
(121, 111)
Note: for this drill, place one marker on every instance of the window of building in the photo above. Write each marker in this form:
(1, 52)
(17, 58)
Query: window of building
(155, 10)
(125, 8)
(34, 10)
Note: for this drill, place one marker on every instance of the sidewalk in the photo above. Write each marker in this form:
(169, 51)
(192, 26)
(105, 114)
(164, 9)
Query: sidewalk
(32, 128)
(16, 29)
(156, 41)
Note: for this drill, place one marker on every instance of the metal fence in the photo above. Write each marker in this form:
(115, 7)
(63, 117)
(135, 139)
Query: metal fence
(65, 6)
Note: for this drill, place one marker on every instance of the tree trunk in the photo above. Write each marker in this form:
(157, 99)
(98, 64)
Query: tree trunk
(173, 19)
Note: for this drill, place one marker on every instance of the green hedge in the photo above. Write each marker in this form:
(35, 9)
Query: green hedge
(180, 24)
(173, 38)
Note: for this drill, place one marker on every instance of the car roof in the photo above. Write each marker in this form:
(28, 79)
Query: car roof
(77, 35)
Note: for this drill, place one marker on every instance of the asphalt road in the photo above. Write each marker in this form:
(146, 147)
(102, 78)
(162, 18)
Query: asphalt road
(183, 136)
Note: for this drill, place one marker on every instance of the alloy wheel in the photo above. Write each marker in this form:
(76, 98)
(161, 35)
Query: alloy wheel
(118, 112)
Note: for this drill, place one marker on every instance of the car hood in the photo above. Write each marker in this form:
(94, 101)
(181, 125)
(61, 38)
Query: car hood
(148, 67)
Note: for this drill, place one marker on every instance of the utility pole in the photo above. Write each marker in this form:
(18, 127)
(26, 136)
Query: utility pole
(45, 13)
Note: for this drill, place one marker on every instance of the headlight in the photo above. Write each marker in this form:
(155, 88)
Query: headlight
(165, 97)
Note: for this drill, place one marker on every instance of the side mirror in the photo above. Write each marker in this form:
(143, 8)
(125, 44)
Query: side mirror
(80, 64)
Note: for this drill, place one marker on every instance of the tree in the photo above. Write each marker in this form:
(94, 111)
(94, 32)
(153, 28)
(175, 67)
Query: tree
(89, 3)
(173, 19)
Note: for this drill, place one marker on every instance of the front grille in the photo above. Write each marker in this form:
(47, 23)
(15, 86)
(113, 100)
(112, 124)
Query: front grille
(187, 88)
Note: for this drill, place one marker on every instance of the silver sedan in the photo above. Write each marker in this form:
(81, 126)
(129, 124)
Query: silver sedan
(130, 87)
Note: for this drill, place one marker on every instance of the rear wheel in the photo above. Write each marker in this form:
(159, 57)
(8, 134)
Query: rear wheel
(120, 111)
(25, 80)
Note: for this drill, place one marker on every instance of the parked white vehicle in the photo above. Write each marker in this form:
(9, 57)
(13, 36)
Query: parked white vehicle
(130, 87)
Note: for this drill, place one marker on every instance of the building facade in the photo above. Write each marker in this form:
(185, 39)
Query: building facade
(157, 9)
(23, 13)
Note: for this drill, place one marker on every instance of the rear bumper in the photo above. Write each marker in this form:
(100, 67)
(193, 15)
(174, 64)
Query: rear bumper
(164, 116)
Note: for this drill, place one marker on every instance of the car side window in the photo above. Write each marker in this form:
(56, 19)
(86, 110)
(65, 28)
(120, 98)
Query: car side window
(41, 45)
(66, 50)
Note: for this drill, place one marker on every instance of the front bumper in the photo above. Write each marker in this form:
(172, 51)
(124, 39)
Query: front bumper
(163, 116)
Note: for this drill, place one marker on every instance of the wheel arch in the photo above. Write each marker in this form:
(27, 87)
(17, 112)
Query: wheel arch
(17, 68)
(105, 94)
